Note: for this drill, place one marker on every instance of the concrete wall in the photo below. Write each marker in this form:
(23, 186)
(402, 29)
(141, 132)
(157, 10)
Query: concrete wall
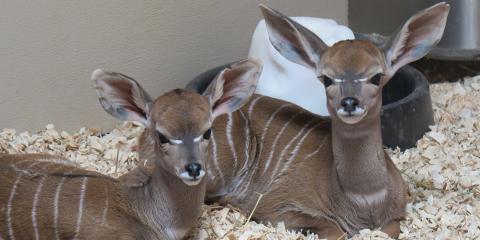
(49, 48)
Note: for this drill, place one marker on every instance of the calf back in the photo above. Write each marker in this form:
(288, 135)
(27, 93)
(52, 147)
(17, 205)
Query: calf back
(265, 148)
(45, 196)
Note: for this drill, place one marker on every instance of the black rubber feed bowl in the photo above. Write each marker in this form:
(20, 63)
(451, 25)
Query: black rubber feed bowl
(406, 112)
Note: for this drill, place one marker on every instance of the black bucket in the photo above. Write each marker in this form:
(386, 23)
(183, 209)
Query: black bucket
(407, 109)
(406, 112)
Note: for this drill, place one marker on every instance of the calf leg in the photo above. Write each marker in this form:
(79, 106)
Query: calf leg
(306, 223)
(392, 229)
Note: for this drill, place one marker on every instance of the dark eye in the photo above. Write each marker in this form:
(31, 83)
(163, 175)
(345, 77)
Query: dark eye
(375, 80)
(327, 81)
(207, 134)
(163, 139)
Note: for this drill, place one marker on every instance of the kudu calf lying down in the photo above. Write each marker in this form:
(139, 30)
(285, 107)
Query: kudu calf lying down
(45, 197)
(328, 176)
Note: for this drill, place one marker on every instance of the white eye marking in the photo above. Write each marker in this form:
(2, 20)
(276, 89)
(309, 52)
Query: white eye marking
(355, 81)
(197, 139)
(176, 141)
(360, 80)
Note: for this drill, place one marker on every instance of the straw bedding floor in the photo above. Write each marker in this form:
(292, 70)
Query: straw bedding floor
(443, 172)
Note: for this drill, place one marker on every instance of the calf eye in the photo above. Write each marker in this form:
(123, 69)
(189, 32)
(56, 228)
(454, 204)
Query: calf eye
(375, 80)
(326, 81)
(163, 139)
(207, 134)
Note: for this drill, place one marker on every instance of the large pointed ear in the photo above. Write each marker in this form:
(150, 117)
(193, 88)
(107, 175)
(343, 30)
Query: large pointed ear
(233, 87)
(121, 96)
(295, 42)
(417, 37)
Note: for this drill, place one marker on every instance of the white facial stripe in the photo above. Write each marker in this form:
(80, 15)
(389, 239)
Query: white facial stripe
(356, 80)
(197, 139)
(360, 80)
(176, 141)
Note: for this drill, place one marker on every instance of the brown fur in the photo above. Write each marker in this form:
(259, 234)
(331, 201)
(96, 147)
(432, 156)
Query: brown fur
(30, 172)
(329, 176)
(161, 207)
(307, 194)
(192, 108)
(157, 200)
(361, 58)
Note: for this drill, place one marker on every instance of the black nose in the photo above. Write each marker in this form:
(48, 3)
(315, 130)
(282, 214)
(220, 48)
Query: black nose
(193, 169)
(349, 104)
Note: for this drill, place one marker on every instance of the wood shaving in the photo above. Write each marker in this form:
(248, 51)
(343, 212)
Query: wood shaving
(443, 171)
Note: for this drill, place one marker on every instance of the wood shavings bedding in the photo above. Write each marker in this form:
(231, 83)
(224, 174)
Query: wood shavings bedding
(443, 171)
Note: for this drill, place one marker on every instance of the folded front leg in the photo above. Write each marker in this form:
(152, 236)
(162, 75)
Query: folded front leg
(305, 223)
(392, 229)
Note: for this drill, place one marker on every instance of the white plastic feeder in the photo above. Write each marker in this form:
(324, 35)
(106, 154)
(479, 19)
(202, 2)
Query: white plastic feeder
(289, 81)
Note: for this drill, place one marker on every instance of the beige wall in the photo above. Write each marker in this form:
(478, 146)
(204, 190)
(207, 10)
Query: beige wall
(48, 50)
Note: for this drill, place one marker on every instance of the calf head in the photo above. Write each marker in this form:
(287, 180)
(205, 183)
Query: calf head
(177, 123)
(354, 71)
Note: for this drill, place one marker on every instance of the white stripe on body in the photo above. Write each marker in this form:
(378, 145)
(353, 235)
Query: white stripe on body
(286, 165)
(34, 207)
(279, 162)
(246, 151)
(247, 184)
(252, 105)
(230, 142)
(9, 207)
(56, 198)
(317, 150)
(80, 206)
(105, 210)
(247, 140)
(241, 175)
(277, 137)
(12, 195)
(270, 119)
(55, 207)
(38, 191)
(265, 130)
(215, 160)
(25, 171)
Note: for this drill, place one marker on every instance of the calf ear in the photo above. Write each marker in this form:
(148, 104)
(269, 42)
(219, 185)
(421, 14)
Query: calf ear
(417, 37)
(295, 42)
(233, 87)
(121, 96)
